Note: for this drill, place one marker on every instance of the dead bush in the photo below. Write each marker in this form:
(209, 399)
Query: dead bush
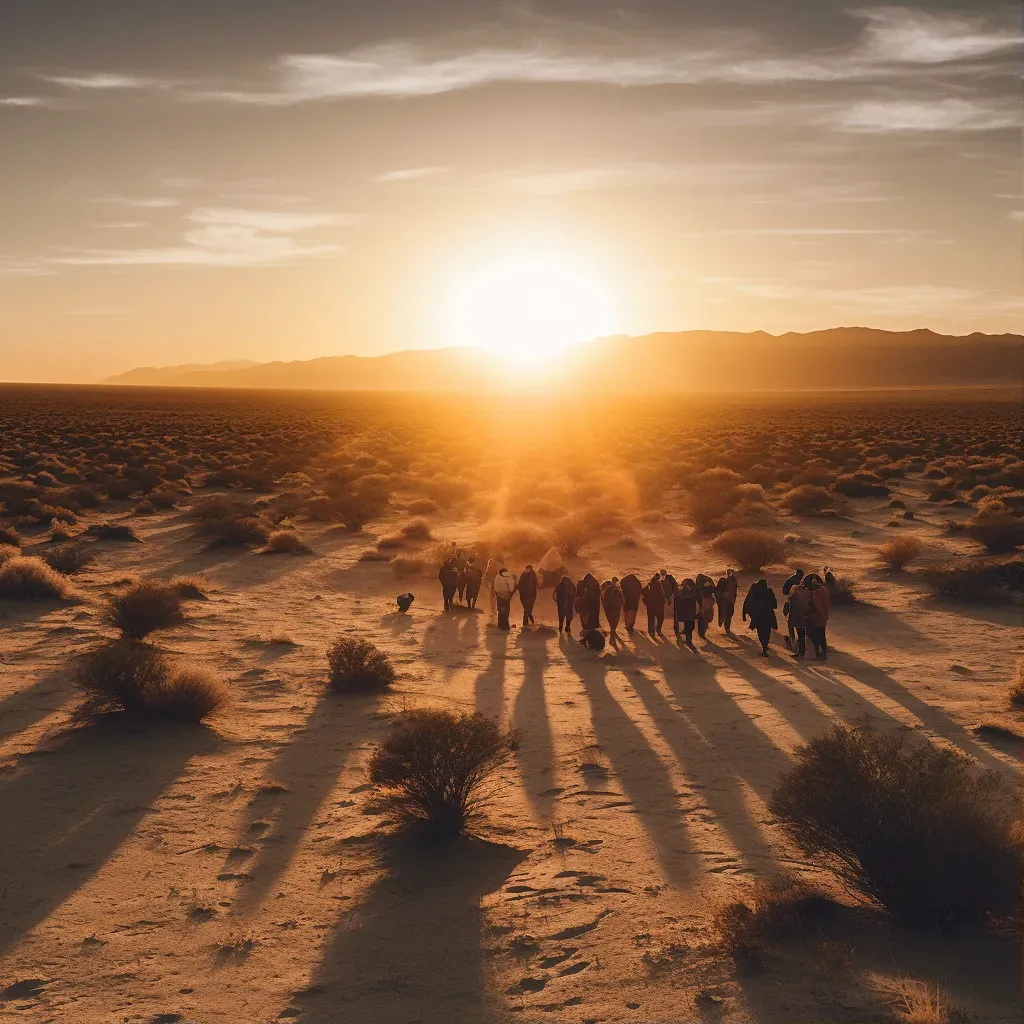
(354, 510)
(390, 542)
(807, 499)
(68, 559)
(374, 555)
(572, 533)
(357, 666)
(114, 531)
(187, 694)
(899, 552)
(285, 542)
(60, 532)
(751, 549)
(517, 539)
(997, 532)
(233, 531)
(423, 507)
(25, 578)
(1017, 686)
(981, 580)
(9, 535)
(861, 485)
(191, 588)
(417, 529)
(843, 591)
(8, 551)
(915, 827)
(121, 675)
(435, 765)
(145, 606)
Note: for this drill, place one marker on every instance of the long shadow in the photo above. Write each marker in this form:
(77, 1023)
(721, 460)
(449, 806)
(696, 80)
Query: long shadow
(489, 687)
(638, 767)
(69, 808)
(307, 768)
(537, 754)
(450, 640)
(868, 622)
(412, 951)
(24, 708)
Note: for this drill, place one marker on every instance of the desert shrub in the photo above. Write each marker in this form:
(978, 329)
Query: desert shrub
(417, 529)
(390, 542)
(163, 497)
(8, 551)
(60, 532)
(357, 666)
(998, 532)
(807, 499)
(9, 535)
(749, 514)
(517, 539)
(234, 531)
(25, 578)
(423, 507)
(374, 555)
(190, 588)
(572, 533)
(285, 542)
(843, 591)
(979, 579)
(145, 606)
(435, 765)
(121, 675)
(899, 552)
(860, 485)
(68, 559)
(354, 510)
(1017, 686)
(912, 826)
(186, 694)
(114, 531)
(752, 549)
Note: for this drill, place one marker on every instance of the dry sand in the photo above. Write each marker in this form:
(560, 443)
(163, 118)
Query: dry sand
(239, 872)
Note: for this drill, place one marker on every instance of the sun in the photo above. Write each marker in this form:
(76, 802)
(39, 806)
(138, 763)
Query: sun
(528, 308)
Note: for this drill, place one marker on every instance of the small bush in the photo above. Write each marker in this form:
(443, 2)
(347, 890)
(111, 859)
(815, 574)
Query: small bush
(68, 559)
(913, 826)
(843, 591)
(357, 666)
(285, 542)
(572, 533)
(520, 540)
(423, 507)
(233, 531)
(114, 531)
(752, 549)
(145, 606)
(807, 499)
(418, 529)
(187, 694)
(191, 588)
(391, 542)
(435, 765)
(374, 555)
(980, 580)
(353, 510)
(9, 535)
(31, 579)
(121, 676)
(8, 551)
(1017, 686)
(899, 552)
(998, 532)
(60, 532)
(861, 485)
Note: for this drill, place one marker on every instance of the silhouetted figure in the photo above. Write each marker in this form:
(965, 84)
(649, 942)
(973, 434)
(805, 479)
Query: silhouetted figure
(669, 585)
(708, 603)
(528, 587)
(449, 579)
(787, 587)
(817, 616)
(565, 601)
(474, 577)
(759, 606)
(631, 590)
(504, 587)
(830, 579)
(792, 581)
(612, 600)
(654, 601)
(798, 607)
(593, 639)
(725, 593)
(404, 602)
(588, 602)
(685, 604)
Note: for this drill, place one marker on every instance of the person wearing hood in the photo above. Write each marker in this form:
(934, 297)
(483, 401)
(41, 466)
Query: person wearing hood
(654, 601)
(611, 601)
(669, 585)
(474, 577)
(787, 587)
(504, 587)
(631, 590)
(565, 601)
(528, 587)
(706, 615)
(817, 616)
(684, 610)
(449, 579)
(799, 606)
(726, 592)
(588, 602)
(759, 606)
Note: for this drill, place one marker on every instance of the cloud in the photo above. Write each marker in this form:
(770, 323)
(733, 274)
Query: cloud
(23, 101)
(101, 81)
(947, 115)
(408, 174)
(140, 202)
(908, 35)
(225, 237)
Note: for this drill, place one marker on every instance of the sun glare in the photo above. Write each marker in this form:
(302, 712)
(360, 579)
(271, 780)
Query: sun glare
(528, 308)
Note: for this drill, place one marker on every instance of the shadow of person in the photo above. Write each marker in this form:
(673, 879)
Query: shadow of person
(397, 622)
(536, 755)
(23, 708)
(411, 950)
(73, 804)
(489, 687)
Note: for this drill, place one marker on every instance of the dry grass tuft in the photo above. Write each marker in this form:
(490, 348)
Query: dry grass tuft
(357, 666)
(898, 553)
(285, 542)
(31, 579)
(417, 529)
(997, 531)
(1017, 686)
(423, 507)
(916, 1002)
(10, 536)
(807, 499)
(187, 694)
(68, 559)
(114, 531)
(145, 606)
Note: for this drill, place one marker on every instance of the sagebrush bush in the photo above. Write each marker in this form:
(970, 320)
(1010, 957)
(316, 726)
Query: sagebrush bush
(913, 826)
(68, 559)
(981, 580)
(187, 694)
(422, 507)
(417, 529)
(374, 555)
(807, 499)
(285, 542)
(572, 533)
(8, 551)
(434, 766)
(353, 510)
(357, 666)
(114, 531)
(25, 578)
(997, 532)
(861, 485)
(517, 539)
(145, 606)
(751, 549)
(9, 535)
(234, 531)
(60, 531)
(843, 591)
(779, 907)
(899, 552)
(1017, 686)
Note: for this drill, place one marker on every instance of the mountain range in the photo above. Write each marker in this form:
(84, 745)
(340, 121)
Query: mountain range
(840, 358)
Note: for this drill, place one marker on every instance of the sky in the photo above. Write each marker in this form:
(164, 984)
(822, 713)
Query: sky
(247, 179)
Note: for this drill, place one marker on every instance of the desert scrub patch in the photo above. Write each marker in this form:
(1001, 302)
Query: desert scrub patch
(285, 542)
(357, 666)
(752, 549)
(24, 578)
(898, 553)
(144, 607)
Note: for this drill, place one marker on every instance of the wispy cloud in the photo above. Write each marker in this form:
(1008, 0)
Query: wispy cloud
(911, 35)
(224, 237)
(23, 101)
(102, 81)
(140, 202)
(947, 115)
(408, 174)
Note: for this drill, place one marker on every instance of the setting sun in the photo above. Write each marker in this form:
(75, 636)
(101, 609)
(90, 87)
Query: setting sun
(528, 308)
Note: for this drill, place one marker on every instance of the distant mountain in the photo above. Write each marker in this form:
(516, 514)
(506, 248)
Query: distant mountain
(841, 358)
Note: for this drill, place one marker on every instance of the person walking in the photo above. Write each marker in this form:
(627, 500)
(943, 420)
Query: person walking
(759, 606)
(799, 607)
(685, 609)
(565, 601)
(669, 585)
(588, 602)
(474, 577)
(817, 616)
(707, 607)
(787, 587)
(503, 588)
(726, 592)
(449, 579)
(612, 601)
(528, 587)
(631, 590)
(654, 601)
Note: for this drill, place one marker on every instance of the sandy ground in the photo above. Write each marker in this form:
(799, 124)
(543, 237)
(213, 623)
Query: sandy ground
(239, 872)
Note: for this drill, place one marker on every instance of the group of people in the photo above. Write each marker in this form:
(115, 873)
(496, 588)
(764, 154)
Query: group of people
(695, 604)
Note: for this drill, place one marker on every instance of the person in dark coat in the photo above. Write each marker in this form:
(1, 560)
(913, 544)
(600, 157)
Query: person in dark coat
(818, 614)
(800, 605)
(474, 579)
(787, 588)
(611, 601)
(654, 601)
(759, 606)
(565, 601)
(792, 581)
(528, 587)
(684, 610)
(404, 602)
(706, 608)
(631, 589)
(669, 585)
(449, 579)
(725, 593)
(588, 602)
